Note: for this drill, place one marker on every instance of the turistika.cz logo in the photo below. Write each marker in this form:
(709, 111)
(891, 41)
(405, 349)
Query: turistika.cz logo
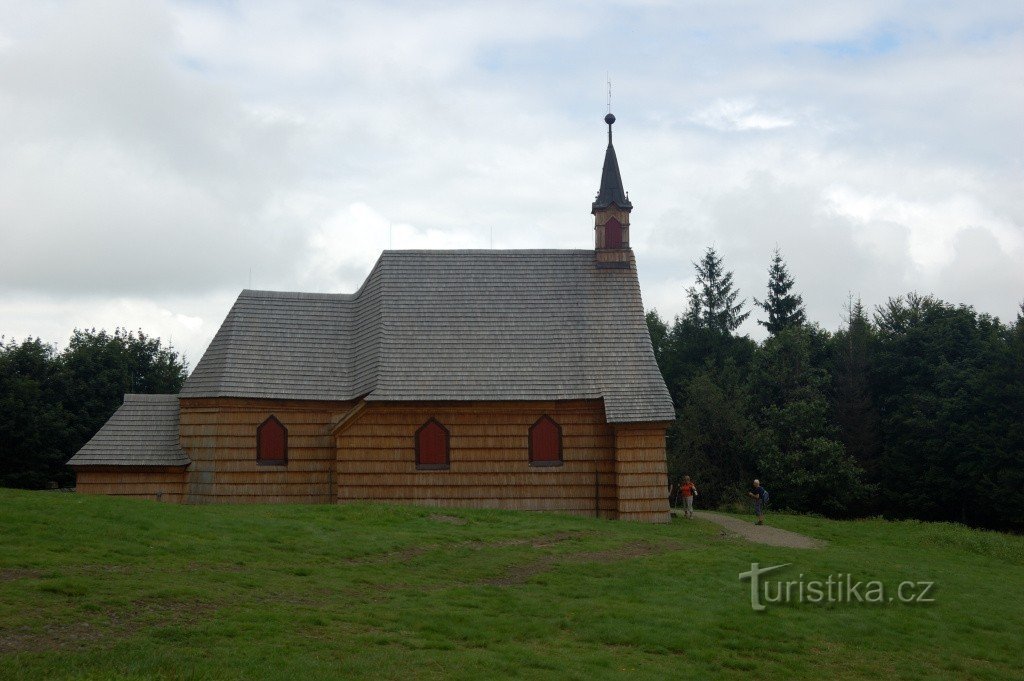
(838, 588)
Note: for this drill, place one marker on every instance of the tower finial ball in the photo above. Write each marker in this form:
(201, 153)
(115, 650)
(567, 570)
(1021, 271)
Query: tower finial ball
(609, 119)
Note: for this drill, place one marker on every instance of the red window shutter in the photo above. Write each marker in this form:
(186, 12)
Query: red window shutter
(545, 442)
(432, 445)
(272, 442)
(612, 234)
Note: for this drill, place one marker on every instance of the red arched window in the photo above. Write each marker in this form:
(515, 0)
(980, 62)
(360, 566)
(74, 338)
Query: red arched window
(432, 451)
(612, 234)
(545, 443)
(272, 443)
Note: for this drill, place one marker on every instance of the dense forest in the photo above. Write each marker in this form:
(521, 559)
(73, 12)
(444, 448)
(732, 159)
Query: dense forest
(51, 403)
(915, 410)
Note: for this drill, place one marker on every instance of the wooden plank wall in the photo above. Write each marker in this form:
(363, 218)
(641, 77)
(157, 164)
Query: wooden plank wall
(220, 437)
(490, 465)
(139, 482)
(642, 473)
(372, 457)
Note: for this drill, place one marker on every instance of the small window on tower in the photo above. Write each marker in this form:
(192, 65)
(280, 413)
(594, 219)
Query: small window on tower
(432, 449)
(612, 234)
(272, 443)
(545, 443)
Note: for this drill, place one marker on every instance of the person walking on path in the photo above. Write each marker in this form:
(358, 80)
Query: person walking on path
(688, 491)
(760, 497)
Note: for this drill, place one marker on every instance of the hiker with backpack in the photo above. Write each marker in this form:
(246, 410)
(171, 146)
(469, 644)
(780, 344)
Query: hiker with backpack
(760, 497)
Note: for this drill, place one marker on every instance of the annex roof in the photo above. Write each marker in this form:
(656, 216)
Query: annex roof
(453, 325)
(142, 432)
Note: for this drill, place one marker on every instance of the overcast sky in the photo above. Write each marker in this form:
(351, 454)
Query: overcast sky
(158, 157)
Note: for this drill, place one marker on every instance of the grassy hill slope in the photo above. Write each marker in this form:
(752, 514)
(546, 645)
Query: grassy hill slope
(100, 587)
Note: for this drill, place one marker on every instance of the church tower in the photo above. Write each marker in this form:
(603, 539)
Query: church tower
(611, 211)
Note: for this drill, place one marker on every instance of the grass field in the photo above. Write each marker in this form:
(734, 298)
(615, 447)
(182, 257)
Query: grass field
(94, 587)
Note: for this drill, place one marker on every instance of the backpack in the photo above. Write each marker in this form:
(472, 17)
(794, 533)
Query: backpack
(764, 495)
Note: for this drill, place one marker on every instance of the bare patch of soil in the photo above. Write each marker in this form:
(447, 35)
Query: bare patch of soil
(114, 623)
(111, 569)
(13, 574)
(391, 556)
(52, 637)
(552, 539)
(543, 541)
(635, 549)
(168, 611)
(450, 519)
(521, 573)
(195, 566)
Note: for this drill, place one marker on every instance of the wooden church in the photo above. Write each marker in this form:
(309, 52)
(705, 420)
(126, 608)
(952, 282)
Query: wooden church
(518, 379)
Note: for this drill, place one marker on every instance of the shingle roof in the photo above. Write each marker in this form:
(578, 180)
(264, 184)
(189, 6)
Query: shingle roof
(142, 432)
(447, 325)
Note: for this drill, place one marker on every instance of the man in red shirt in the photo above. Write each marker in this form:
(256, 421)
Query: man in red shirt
(689, 491)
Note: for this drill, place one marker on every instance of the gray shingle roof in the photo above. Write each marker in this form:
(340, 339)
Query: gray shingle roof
(142, 432)
(447, 325)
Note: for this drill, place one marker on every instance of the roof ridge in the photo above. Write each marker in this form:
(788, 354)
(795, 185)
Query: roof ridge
(398, 252)
(298, 295)
(149, 397)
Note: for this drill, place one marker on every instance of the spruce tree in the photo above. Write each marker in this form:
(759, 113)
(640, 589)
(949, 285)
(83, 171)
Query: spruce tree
(853, 402)
(713, 299)
(785, 309)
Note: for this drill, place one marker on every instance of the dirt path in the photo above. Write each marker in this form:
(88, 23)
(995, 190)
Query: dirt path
(761, 534)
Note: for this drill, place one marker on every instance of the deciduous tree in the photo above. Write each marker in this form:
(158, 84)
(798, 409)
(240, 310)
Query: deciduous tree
(52, 403)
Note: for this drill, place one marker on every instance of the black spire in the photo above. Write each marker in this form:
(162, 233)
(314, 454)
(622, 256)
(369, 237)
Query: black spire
(611, 191)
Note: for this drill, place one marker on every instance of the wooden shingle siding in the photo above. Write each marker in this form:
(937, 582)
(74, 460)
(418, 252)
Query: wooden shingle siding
(340, 452)
(489, 457)
(641, 473)
(219, 435)
(149, 482)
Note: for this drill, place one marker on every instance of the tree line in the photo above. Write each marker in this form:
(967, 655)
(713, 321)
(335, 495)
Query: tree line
(915, 410)
(52, 402)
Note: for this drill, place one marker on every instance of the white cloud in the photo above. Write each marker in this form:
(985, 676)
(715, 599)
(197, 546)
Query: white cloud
(170, 153)
(345, 246)
(187, 324)
(739, 114)
(933, 226)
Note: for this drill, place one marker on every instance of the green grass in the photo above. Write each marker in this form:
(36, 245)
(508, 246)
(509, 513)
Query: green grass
(94, 587)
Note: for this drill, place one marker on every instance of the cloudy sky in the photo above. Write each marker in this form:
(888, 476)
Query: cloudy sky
(158, 157)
